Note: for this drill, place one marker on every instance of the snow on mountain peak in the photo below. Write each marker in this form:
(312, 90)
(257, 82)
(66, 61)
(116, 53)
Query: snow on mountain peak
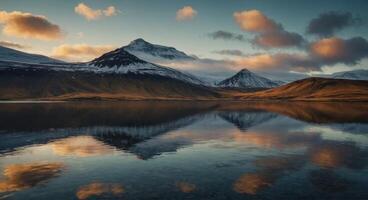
(8, 54)
(244, 70)
(118, 57)
(145, 50)
(120, 61)
(360, 74)
(247, 79)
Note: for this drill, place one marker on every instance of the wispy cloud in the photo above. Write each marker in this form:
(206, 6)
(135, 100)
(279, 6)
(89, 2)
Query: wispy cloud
(94, 14)
(230, 52)
(225, 35)
(186, 13)
(13, 45)
(326, 24)
(27, 25)
(80, 52)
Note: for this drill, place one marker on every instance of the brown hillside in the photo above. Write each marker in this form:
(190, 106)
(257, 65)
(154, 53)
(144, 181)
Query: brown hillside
(315, 89)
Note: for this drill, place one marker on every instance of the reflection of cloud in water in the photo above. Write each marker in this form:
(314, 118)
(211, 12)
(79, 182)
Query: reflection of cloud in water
(275, 140)
(100, 189)
(81, 146)
(328, 181)
(23, 176)
(279, 164)
(185, 187)
(269, 170)
(252, 183)
(337, 154)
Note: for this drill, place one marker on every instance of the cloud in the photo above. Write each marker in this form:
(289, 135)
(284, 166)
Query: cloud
(336, 50)
(110, 11)
(13, 45)
(230, 52)
(326, 24)
(255, 21)
(80, 52)
(278, 61)
(91, 14)
(278, 39)
(186, 13)
(269, 34)
(27, 25)
(328, 51)
(225, 35)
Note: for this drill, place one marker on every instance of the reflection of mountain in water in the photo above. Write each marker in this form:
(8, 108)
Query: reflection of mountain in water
(126, 137)
(246, 120)
(120, 137)
(140, 127)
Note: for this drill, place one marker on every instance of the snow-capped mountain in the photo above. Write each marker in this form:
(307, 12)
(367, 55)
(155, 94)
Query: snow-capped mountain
(148, 51)
(246, 79)
(7, 54)
(360, 74)
(121, 61)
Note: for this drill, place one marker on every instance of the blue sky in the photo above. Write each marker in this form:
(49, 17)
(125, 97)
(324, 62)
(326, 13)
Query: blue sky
(155, 21)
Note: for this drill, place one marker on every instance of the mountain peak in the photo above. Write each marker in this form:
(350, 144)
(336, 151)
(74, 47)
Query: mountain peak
(142, 48)
(138, 41)
(244, 71)
(117, 57)
(247, 79)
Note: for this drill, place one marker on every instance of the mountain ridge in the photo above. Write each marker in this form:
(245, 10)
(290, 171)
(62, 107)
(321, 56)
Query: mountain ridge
(142, 49)
(8, 54)
(246, 79)
(314, 89)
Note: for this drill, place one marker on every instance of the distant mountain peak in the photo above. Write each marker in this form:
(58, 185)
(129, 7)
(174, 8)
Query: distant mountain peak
(120, 61)
(246, 79)
(117, 57)
(138, 42)
(244, 70)
(8, 54)
(359, 74)
(146, 51)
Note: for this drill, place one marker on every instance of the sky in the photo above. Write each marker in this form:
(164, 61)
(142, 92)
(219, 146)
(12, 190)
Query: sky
(283, 36)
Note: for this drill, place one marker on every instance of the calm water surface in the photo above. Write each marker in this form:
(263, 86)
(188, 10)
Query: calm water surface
(187, 150)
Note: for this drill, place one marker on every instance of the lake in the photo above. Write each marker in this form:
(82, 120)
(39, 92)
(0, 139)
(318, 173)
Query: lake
(183, 150)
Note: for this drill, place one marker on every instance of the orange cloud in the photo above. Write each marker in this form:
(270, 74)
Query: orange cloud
(336, 50)
(278, 39)
(293, 62)
(82, 146)
(23, 176)
(13, 45)
(329, 48)
(98, 189)
(185, 13)
(80, 52)
(91, 14)
(26, 25)
(255, 21)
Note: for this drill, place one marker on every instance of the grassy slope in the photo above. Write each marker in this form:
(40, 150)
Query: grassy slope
(51, 85)
(66, 85)
(318, 89)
